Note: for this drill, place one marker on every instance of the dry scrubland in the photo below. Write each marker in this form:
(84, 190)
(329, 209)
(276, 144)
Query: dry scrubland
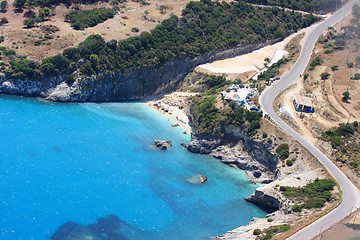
(131, 15)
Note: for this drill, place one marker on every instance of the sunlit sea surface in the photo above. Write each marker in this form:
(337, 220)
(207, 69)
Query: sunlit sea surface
(79, 162)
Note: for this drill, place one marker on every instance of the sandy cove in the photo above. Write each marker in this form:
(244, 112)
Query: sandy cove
(173, 106)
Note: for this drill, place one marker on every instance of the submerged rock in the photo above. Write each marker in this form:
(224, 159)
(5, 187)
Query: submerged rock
(73, 230)
(103, 229)
(197, 179)
(183, 144)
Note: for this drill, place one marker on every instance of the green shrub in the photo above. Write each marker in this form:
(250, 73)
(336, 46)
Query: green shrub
(329, 51)
(324, 75)
(350, 64)
(257, 231)
(315, 62)
(306, 76)
(314, 194)
(283, 151)
(335, 68)
(289, 163)
(264, 135)
(354, 164)
(357, 76)
(135, 30)
(70, 79)
(282, 147)
(9, 52)
(296, 208)
(253, 126)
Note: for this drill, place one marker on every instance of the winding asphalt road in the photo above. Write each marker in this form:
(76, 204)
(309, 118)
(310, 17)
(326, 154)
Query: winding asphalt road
(350, 194)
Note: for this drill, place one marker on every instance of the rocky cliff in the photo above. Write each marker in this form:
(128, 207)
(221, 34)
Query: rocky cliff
(256, 157)
(133, 85)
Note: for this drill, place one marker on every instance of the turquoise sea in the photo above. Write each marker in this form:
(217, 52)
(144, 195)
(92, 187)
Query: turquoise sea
(78, 162)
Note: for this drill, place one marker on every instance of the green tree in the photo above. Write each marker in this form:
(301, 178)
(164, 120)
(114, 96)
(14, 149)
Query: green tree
(324, 75)
(3, 5)
(30, 4)
(346, 96)
(340, 42)
(29, 22)
(44, 13)
(19, 3)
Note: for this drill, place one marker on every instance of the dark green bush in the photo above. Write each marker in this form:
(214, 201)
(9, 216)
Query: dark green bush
(324, 75)
(257, 231)
(315, 62)
(296, 208)
(354, 164)
(214, 81)
(315, 194)
(81, 19)
(289, 163)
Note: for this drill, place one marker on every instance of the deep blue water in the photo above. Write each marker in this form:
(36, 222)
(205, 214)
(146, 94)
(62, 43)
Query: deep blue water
(80, 162)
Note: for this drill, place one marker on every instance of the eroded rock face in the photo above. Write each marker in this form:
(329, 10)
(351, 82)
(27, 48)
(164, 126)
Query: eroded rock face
(202, 145)
(261, 198)
(133, 85)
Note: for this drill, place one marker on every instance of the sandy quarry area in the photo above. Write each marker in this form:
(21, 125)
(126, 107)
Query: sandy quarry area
(251, 64)
(253, 61)
(131, 15)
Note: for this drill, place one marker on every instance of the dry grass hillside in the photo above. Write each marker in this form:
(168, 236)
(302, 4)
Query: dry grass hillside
(131, 15)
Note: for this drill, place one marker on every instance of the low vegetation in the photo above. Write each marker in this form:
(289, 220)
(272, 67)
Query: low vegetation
(305, 5)
(343, 131)
(30, 4)
(283, 151)
(270, 232)
(81, 19)
(314, 195)
(203, 27)
(272, 70)
(345, 141)
(208, 119)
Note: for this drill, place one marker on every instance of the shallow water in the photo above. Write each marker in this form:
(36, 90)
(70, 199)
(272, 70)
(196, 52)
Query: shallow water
(80, 162)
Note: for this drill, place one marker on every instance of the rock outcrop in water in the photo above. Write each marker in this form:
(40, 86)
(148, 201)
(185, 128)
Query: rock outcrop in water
(162, 144)
(132, 85)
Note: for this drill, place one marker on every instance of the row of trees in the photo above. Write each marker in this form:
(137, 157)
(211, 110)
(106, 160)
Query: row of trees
(318, 6)
(205, 26)
(30, 4)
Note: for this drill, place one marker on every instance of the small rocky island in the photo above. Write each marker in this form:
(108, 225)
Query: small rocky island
(162, 144)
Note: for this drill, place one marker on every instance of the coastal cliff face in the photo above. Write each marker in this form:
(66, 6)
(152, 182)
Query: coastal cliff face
(256, 157)
(133, 85)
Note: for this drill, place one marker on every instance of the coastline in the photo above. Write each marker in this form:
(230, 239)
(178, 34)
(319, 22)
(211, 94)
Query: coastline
(172, 106)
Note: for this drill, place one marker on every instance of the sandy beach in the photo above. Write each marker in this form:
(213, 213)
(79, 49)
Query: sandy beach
(172, 106)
